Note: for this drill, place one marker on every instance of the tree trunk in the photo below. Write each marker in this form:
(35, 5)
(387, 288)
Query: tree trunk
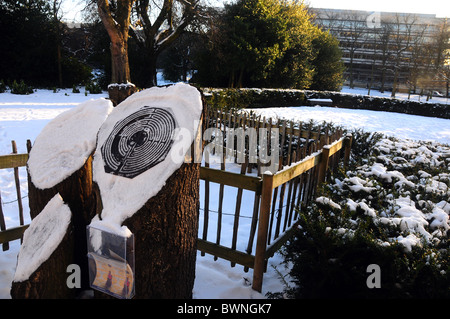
(78, 193)
(394, 84)
(119, 62)
(119, 92)
(383, 79)
(120, 88)
(49, 281)
(152, 72)
(165, 232)
(117, 25)
(351, 69)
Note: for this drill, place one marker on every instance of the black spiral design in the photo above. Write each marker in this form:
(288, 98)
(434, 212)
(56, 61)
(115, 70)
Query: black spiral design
(138, 142)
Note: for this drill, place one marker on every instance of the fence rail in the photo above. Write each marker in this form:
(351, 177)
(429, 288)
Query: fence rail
(306, 157)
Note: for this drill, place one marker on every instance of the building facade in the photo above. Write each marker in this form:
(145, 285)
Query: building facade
(391, 51)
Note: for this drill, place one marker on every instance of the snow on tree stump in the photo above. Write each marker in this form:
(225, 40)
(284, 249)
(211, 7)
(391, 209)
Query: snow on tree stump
(119, 92)
(148, 189)
(60, 162)
(46, 251)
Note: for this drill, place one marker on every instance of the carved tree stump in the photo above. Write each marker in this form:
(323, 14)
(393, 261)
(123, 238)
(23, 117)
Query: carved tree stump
(147, 187)
(46, 251)
(60, 162)
(78, 193)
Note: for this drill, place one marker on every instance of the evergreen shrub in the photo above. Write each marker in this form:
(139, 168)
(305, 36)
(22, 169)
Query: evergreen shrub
(334, 245)
(21, 88)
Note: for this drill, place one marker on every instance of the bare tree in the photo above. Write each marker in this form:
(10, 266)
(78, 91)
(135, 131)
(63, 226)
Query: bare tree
(402, 39)
(442, 54)
(416, 61)
(352, 31)
(157, 24)
(384, 35)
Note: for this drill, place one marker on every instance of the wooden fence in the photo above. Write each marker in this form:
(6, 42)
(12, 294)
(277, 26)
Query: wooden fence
(306, 157)
(13, 161)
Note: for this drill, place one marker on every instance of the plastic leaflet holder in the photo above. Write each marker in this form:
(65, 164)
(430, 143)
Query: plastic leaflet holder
(111, 262)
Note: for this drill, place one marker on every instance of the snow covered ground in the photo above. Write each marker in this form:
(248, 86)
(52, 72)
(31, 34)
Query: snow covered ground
(391, 124)
(401, 96)
(23, 117)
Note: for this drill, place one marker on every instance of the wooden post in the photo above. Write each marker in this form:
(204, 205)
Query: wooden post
(47, 280)
(166, 231)
(2, 223)
(17, 181)
(78, 192)
(266, 199)
(323, 165)
(348, 147)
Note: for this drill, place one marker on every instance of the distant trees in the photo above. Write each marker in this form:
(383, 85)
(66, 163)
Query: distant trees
(353, 30)
(31, 46)
(268, 43)
(261, 43)
(27, 39)
(158, 24)
(329, 67)
(442, 61)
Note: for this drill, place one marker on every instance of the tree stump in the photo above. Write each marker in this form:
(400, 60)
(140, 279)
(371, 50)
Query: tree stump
(166, 231)
(119, 92)
(148, 188)
(60, 162)
(46, 251)
(78, 193)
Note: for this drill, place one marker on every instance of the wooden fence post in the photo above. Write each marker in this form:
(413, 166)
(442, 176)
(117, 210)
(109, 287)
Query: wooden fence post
(323, 165)
(266, 199)
(2, 223)
(17, 181)
(348, 146)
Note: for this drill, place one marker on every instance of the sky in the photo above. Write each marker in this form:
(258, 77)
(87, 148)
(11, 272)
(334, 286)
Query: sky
(72, 10)
(441, 8)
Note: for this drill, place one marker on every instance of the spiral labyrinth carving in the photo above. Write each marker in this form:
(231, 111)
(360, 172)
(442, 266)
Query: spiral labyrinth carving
(139, 142)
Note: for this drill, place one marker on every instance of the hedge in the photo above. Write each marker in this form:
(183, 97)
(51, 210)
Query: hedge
(262, 98)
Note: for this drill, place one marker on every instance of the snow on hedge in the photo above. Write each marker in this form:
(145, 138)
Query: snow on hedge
(66, 142)
(415, 202)
(40, 240)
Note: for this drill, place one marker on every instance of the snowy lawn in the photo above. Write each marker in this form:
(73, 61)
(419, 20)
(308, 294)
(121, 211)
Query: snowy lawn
(391, 124)
(400, 96)
(23, 117)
